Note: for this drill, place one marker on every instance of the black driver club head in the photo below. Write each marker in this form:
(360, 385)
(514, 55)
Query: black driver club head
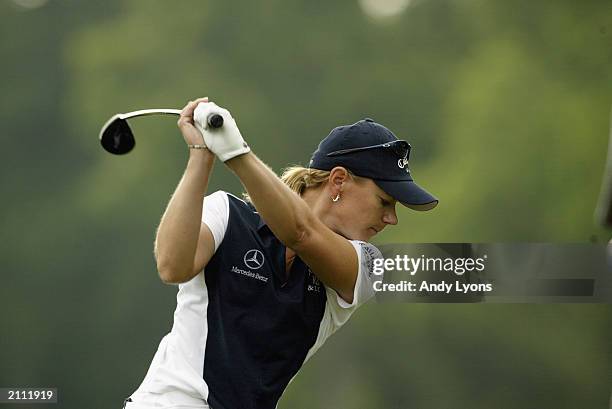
(116, 136)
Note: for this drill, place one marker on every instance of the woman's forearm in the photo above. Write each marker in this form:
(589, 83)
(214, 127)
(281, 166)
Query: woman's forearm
(178, 232)
(287, 215)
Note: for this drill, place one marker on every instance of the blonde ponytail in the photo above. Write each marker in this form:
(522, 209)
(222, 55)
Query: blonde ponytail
(299, 178)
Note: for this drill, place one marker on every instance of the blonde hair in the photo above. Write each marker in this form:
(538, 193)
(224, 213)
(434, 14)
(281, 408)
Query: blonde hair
(299, 178)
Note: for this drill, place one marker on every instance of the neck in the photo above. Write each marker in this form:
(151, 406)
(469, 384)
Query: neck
(320, 205)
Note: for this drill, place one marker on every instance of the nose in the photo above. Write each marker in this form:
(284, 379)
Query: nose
(390, 217)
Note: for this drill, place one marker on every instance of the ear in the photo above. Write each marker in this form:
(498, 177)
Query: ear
(337, 177)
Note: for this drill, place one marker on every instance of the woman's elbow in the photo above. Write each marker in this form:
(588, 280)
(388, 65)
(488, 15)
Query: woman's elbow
(299, 237)
(171, 275)
(295, 233)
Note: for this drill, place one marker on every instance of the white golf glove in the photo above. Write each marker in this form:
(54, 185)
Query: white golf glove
(226, 142)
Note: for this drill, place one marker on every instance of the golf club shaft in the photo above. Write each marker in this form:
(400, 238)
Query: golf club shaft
(145, 112)
(214, 120)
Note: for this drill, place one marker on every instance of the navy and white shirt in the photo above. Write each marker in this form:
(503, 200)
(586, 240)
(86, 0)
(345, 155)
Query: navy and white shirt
(244, 326)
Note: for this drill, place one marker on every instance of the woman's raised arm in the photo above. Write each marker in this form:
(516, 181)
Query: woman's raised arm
(330, 256)
(177, 252)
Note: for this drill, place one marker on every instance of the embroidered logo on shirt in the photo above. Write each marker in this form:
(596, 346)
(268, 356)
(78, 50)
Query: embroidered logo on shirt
(314, 284)
(368, 254)
(249, 274)
(253, 259)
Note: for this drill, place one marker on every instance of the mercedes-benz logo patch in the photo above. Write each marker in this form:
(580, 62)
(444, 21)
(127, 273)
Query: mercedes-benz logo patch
(253, 259)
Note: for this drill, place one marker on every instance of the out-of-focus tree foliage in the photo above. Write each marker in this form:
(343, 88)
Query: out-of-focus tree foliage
(506, 105)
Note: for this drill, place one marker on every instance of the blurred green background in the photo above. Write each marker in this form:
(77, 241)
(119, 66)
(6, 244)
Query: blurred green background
(507, 106)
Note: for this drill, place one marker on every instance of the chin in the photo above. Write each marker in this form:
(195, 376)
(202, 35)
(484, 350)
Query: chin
(371, 233)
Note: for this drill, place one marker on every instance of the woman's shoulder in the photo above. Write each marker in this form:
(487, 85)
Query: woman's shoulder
(367, 247)
(368, 253)
(227, 197)
(239, 208)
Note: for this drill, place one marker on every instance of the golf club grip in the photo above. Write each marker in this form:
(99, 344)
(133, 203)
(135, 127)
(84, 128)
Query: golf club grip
(215, 120)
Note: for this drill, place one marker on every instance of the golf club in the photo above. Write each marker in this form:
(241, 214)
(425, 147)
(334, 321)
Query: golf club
(117, 138)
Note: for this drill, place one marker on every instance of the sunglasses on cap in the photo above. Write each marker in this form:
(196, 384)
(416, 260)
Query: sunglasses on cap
(399, 147)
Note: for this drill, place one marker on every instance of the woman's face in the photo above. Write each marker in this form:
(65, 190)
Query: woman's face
(363, 209)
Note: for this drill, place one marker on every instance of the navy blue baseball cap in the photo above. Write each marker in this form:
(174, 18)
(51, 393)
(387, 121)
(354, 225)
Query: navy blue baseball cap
(370, 150)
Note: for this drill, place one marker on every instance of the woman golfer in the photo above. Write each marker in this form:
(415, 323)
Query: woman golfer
(263, 284)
